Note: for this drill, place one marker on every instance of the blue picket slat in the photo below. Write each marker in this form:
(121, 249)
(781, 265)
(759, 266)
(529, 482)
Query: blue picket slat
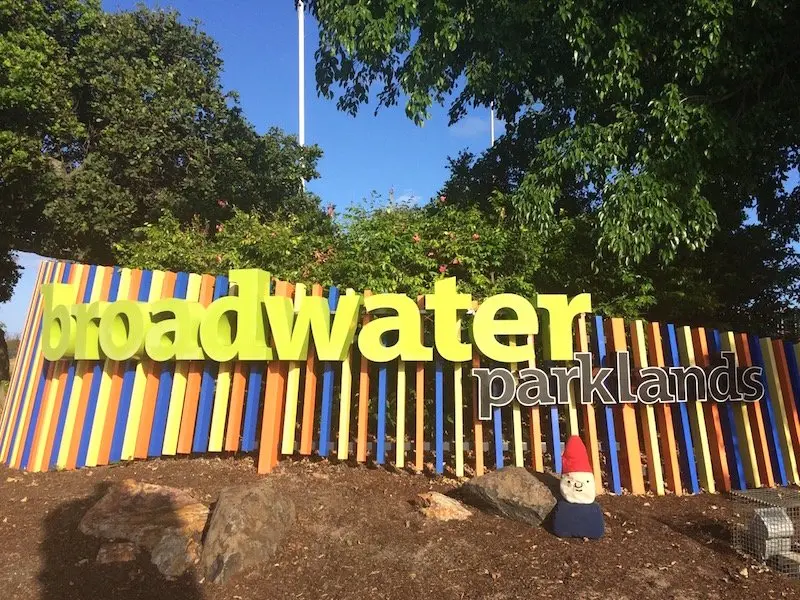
(202, 426)
(439, 418)
(327, 388)
(684, 429)
(735, 466)
(599, 341)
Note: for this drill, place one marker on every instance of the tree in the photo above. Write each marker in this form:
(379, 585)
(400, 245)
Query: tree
(108, 119)
(664, 117)
(708, 287)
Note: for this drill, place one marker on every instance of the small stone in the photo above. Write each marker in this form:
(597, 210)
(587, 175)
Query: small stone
(118, 552)
(743, 572)
(440, 507)
(25, 499)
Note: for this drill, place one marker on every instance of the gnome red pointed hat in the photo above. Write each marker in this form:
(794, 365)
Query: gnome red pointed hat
(575, 458)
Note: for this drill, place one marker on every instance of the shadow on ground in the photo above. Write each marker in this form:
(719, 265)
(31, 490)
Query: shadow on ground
(70, 571)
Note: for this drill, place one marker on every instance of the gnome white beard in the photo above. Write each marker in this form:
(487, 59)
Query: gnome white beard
(578, 487)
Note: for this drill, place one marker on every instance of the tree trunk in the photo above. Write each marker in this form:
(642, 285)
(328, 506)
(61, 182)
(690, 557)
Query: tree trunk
(4, 363)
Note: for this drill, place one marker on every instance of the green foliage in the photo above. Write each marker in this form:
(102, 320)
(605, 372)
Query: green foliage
(646, 109)
(109, 119)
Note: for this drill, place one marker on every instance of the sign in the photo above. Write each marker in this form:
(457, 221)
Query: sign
(238, 327)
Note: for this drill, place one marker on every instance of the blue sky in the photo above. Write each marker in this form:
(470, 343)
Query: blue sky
(258, 42)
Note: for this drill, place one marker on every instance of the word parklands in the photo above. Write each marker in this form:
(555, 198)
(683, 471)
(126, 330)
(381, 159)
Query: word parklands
(723, 382)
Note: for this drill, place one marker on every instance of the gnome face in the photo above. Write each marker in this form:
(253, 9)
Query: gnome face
(578, 487)
(577, 478)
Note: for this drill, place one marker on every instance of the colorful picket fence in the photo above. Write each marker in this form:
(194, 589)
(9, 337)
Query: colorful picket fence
(73, 414)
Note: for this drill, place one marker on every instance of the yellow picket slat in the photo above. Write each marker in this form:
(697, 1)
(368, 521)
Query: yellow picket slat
(400, 442)
(655, 471)
(696, 416)
(292, 387)
(516, 418)
(458, 407)
(178, 393)
(745, 433)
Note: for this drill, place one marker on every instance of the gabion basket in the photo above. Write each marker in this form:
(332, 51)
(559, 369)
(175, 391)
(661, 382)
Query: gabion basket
(769, 529)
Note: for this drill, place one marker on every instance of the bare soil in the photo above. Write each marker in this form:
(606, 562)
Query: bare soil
(358, 536)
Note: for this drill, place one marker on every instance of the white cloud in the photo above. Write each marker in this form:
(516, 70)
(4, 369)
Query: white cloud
(470, 126)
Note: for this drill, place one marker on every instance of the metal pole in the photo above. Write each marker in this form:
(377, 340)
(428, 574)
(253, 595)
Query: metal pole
(491, 121)
(301, 95)
(301, 100)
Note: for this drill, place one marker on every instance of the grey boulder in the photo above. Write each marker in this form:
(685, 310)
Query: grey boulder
(511, 492)
(247, 526)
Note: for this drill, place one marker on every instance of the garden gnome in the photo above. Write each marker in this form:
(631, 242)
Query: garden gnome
(576, 513)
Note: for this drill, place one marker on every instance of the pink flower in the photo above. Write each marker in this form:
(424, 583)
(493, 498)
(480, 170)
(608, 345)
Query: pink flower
(416, 238)
(222, 203)
(442, 199)
(475, 236)
(442, 268)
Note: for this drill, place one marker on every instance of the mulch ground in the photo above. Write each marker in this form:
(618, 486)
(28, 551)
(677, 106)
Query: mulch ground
(358, 536)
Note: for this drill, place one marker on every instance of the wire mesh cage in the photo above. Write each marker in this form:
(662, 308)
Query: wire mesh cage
(769, 528)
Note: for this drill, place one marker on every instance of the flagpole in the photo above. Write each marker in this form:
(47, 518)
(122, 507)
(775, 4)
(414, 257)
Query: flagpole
(491, 121)
(301, 95)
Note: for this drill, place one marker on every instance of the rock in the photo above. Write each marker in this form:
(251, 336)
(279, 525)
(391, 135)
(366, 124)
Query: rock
(116, 552)
(511, 492)
(440, 507)
(167, 522)
(248, 524)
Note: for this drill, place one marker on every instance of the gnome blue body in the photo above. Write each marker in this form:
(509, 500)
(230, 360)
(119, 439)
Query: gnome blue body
(577, 514)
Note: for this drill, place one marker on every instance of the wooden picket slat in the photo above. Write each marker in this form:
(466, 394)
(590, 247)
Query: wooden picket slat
(669, 447)
(273, 406)
(419, 394)
(744, 428)
(655, 473)
(535, 421)
(778, 356)
(631, 451)
(781, 418)
(345, 390)
(328, 380)
(612, 458)
(292, 387)
(180, 381)
(716, 439)
(310, 393)
(363, 399)
(590, 433)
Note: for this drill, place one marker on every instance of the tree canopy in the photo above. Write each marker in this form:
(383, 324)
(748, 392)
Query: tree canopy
(109, 119)
(662, 121)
